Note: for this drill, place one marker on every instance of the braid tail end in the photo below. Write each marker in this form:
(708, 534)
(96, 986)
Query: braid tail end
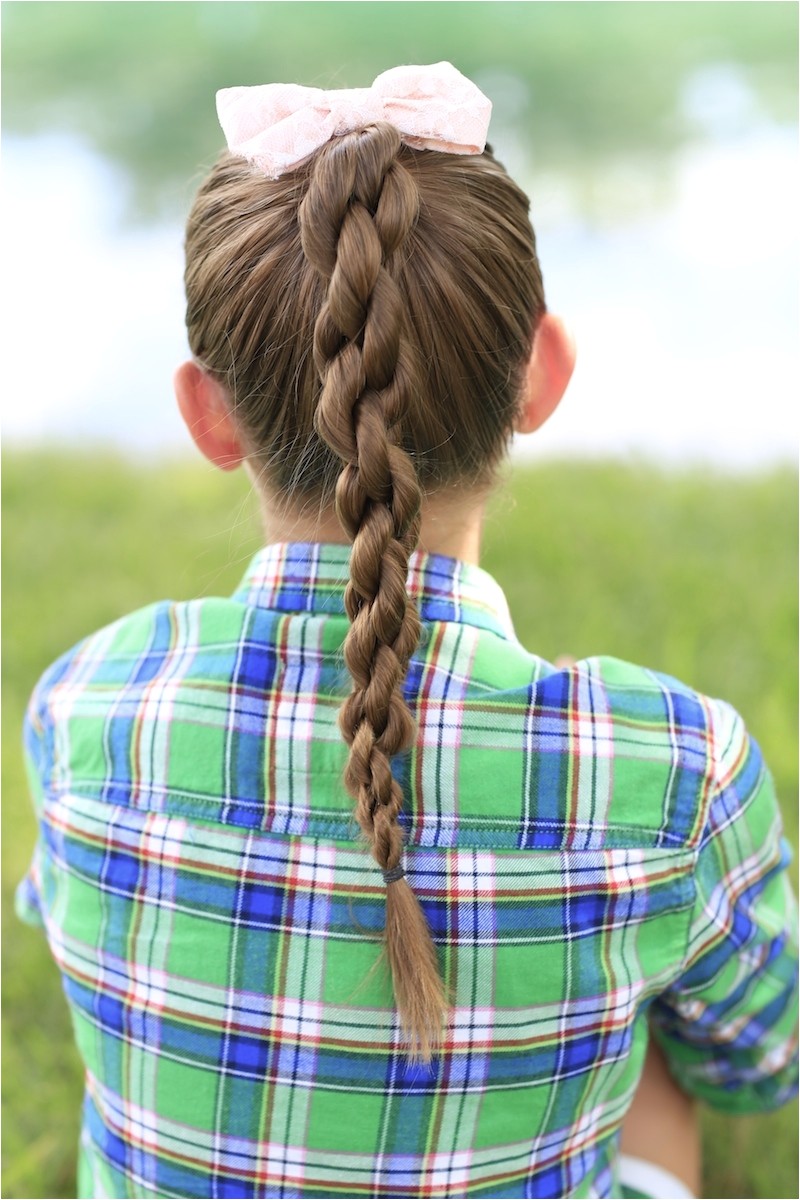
(418, 985)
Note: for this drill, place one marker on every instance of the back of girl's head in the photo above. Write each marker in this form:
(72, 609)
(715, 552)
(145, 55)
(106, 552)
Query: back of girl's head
(454, 238)
(370, 315)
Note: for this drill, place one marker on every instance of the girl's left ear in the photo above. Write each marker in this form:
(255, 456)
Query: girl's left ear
(203, 404)
(549, 371)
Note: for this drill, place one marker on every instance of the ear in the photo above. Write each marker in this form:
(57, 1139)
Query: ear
(204, 406)
(549, 371)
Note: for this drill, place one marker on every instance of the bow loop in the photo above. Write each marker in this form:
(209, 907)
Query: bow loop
(277, 125)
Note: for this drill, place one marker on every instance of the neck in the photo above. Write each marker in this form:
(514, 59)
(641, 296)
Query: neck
(452, 526)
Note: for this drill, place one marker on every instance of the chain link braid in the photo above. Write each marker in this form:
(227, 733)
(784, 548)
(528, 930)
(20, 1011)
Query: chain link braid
(369, 316)
(360, 206)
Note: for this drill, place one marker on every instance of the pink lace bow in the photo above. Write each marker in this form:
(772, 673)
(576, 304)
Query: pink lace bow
(277, 125)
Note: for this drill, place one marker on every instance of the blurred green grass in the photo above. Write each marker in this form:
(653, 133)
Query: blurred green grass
(693, 573)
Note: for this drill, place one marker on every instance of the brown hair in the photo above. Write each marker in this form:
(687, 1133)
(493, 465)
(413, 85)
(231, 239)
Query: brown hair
(370, 315)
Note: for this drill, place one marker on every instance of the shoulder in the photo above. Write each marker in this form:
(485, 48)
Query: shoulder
(705, 727)
(124, 711)
(647, 698)
(638, 693)
(138, 647)
(668, 747)
(605, 752)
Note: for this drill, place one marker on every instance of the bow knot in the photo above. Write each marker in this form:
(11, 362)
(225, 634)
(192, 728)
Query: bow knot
(277, 125)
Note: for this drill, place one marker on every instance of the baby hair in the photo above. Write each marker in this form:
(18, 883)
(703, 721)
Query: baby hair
(370, 315)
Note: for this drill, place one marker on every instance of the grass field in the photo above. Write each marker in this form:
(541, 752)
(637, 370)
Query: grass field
(693, 574)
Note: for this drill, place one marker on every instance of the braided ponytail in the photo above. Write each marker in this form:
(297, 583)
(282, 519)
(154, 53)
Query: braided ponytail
(360, 205)
(416, 273)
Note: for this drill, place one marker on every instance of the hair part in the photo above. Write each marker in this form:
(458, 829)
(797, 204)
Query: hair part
(370, 315)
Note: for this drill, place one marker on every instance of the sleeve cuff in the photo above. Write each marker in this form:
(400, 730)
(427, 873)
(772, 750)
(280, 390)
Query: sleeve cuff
(768, 1087)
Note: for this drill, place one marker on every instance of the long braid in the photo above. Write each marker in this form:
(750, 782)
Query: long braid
(360, 205)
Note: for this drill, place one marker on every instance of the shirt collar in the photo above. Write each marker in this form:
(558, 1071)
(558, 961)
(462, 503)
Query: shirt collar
(311, 577)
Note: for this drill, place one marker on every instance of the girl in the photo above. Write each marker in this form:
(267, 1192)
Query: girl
(352, 894)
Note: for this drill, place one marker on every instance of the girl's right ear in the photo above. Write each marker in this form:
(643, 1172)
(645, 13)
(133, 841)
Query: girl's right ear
(204, 406)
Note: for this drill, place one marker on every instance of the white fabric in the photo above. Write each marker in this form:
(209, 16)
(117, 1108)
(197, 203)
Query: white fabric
(654, 1181)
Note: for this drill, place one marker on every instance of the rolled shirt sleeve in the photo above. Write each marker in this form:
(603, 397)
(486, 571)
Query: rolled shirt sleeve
(28, 902)
(728, 1025)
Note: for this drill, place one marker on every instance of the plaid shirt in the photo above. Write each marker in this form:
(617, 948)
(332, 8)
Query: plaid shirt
(597, 850)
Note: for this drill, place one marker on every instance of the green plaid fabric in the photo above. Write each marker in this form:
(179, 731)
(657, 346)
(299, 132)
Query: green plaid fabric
(598, 851)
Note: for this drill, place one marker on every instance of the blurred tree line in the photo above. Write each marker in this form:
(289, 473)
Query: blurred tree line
(573, 84)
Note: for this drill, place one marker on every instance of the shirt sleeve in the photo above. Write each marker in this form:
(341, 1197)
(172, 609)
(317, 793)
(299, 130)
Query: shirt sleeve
(28, 895)
(728, 1025)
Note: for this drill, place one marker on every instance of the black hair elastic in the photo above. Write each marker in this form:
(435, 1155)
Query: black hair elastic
(393, 874)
